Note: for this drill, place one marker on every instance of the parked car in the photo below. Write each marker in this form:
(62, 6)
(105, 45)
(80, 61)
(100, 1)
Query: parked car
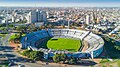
(11, 64)
(20, 65)
(31, 61)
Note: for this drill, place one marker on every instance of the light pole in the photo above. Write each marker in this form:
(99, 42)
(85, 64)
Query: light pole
(68, 24)
(68, 20)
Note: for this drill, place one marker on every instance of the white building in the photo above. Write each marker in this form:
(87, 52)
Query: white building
(87, 19)
(31, 17)
(4, 21)
(47, 14)
(36, 16)
(13, 19)
(104, 18)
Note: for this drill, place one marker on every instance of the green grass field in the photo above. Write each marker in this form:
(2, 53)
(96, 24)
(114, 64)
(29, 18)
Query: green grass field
(107, 63)
(64, 44)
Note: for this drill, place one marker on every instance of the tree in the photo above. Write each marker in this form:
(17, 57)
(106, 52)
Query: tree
(56, 58)
(3, 28)
(59, 57)
(72, 60)
(31, 28)
(21, 28)
(63, 57)
(34, 55)
(26, 52)
(11, 25)
(15, 38)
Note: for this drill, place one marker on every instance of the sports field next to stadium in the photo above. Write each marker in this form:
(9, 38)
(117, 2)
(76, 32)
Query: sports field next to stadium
(64, 44)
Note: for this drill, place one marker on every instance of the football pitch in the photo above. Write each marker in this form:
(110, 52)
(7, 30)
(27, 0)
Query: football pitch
(64, 44)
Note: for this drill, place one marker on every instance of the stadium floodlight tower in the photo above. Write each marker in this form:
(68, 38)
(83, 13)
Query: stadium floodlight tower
(68, 23)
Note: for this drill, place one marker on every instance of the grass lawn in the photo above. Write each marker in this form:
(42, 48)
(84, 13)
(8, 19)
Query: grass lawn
(2, 35)
(64, 44)
(13, 36)
(110, 64)
(104, 60)
(4, 64)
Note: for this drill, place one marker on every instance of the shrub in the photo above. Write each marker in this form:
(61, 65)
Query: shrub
(13, 37)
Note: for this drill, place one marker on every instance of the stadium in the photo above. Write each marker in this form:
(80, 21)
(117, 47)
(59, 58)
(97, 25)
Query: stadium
(72, 42)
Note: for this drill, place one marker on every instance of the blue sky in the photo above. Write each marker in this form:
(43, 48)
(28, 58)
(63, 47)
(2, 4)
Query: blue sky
(61, 3)
(65, 1)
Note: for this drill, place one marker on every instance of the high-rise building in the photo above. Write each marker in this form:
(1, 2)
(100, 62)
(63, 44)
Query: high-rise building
(68, 24)
(87, 19)
(43, 16)
(0, 21)
(31, 17)
(47, 14)
(13, 19)
(104, 18)
(36, 16)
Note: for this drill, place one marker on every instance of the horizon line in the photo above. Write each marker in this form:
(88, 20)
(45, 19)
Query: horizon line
(66, 6)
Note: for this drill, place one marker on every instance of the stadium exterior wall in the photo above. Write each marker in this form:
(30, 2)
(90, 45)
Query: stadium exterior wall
(94, 50)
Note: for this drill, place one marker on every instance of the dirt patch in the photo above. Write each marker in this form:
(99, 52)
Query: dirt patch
(14, 45)
(97, 60)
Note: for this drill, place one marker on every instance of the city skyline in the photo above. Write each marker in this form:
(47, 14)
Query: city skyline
(60, 3)
(53, 33)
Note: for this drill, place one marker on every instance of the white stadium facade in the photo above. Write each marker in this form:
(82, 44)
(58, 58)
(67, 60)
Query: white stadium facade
(94, 42)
